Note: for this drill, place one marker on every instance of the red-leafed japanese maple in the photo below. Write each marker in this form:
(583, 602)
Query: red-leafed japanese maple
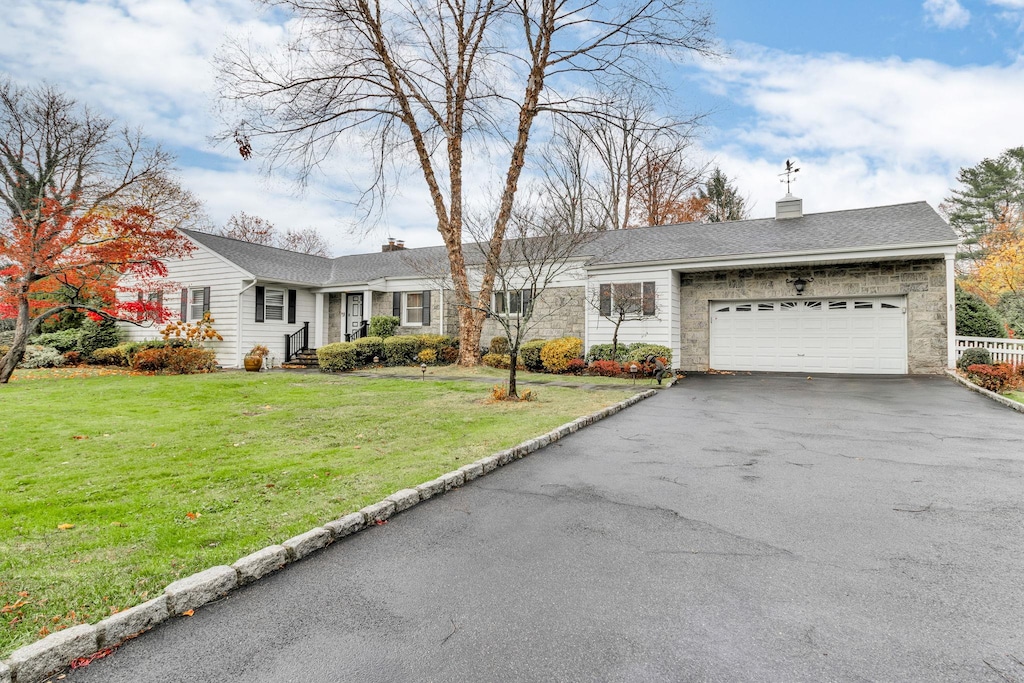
(89, 212)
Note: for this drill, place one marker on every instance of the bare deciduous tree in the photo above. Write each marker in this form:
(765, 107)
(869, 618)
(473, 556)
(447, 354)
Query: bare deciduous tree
(619, 302)
(255, 230)
(443, 82)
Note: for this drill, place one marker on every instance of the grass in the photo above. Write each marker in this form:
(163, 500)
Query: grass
(1017, 396)
(165, 476)
(499, 376)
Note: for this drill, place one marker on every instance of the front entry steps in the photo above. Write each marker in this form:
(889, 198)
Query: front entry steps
(302, 360)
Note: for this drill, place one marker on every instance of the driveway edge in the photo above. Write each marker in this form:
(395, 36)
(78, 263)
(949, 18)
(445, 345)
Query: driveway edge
(1009, 403)
(52, 654)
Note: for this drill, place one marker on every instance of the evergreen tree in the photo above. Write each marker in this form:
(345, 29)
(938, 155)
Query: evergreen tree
(722, 199)
(991, 193)
(975, 318)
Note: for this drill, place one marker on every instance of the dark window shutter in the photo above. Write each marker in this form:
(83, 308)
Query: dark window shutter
(160, 298)
(292, 294)
(206, 299)
(605, 299)
(140, 297)
(184, 304)
(261, 294)
(527, 298)
(648, 299)
(426, 307)
(396, 305)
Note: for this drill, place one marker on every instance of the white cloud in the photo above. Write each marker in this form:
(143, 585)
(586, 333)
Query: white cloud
(867, 132)
(947, 13)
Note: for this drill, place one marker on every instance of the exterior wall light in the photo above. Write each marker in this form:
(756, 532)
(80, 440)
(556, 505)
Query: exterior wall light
(799, 284)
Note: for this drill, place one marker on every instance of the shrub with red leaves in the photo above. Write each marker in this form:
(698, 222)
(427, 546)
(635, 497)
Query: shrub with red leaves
(997, 378)
(575, 366)
(605, 368)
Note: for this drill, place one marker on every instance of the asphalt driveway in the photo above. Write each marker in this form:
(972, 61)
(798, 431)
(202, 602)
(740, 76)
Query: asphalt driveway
(732, 528)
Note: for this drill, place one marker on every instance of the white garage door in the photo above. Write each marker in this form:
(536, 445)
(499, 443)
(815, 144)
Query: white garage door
(860, 335)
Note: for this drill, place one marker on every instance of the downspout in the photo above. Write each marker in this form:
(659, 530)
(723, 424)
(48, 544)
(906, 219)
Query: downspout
(238, 323)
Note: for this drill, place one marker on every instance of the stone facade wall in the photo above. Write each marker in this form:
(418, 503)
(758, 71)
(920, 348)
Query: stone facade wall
(923, 282)
(557, 312)
(382, 305)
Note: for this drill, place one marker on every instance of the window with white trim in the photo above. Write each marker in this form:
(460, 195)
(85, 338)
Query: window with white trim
(628, 300)
(197, 303)
(413, 308)
(512, 302)
(273, 304)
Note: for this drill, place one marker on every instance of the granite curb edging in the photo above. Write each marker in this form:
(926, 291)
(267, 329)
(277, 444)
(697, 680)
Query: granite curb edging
(35, 662)
(1009, 403)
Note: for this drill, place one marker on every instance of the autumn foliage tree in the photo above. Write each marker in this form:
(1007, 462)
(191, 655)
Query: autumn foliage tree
(257, 230)
(77, 227)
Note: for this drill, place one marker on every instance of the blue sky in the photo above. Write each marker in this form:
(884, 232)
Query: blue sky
(878, 101)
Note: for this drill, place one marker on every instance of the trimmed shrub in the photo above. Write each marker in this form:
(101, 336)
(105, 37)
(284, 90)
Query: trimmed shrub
(175, 360)
(337, 357)
(63, 341)
(605, 368)
(449, 354)
(428, 356)
(576, 366)
(383, 325)
(4, 349)
(975, 318)
(41, 357)
(129, 349)
(435, 341)
(111, 356)
(102, 335)
(401, 350)
(72, 358)
(974, 355)
(529, 355)
(604, 352)
(498, 345)
(557, 353)
(638, 353)
(997, 378)
(497, 360)
(367, 348)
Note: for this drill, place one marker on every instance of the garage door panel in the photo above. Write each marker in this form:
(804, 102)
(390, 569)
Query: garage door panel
(853, 335)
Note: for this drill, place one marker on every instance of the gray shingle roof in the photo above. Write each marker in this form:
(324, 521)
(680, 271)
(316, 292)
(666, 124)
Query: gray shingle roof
(876, 227)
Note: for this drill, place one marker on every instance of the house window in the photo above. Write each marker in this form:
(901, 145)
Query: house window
(413, 308)
(512, 302)
(628, 299)
(154, 306)
(274, 304)
(197, 303)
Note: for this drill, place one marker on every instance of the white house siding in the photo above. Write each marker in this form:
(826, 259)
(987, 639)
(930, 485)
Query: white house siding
(202, 269)
(656, 330)
(271, 333)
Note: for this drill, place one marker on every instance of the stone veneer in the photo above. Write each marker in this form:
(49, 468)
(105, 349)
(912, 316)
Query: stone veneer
(382, 305)
(923, 282)
(557, 312)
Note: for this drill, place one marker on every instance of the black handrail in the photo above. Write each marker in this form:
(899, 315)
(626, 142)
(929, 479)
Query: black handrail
(295, 342)
(364, 331)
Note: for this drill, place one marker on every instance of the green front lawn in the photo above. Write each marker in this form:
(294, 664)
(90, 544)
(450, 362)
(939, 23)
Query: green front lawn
(501, 376)
(113, 487)
(1017, 396)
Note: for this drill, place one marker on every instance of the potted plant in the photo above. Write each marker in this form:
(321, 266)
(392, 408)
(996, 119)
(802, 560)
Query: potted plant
(254, 359)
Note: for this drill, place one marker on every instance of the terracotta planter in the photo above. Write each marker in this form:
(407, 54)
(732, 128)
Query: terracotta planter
(253, 364)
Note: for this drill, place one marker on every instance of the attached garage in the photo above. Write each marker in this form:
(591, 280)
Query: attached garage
(842, 335)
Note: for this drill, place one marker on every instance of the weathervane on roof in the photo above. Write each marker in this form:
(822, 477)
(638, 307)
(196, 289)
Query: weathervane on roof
(790, 171)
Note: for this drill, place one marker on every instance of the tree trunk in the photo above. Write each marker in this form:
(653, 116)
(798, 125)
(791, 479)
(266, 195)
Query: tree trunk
(513, 355)
(470, 329)
(17, 351)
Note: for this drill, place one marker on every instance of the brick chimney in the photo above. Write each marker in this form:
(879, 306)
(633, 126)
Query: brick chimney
(789, 207)
(393, 245)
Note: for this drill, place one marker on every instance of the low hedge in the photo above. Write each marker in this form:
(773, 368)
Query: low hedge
(41, 357)
(501, 361)
(337, 357)
(402, 350)
(383, 325)
(556, 354)
(368, 348)
(974, 355)
(640, 351)
(997, 378)
(175, 360)
(529, 354)
(498, 345)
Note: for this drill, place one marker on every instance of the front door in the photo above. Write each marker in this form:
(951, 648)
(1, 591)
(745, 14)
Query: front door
(355, 315)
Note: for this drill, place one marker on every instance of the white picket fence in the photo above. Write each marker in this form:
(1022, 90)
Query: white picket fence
(1002, 350)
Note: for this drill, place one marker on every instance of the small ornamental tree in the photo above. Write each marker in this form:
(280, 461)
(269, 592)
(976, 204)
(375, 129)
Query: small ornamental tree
(620, 302)
(61, 262)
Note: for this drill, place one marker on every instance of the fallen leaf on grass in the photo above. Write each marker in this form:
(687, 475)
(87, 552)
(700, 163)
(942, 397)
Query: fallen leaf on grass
(193, 515)
(79, 437)
(65, 527)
